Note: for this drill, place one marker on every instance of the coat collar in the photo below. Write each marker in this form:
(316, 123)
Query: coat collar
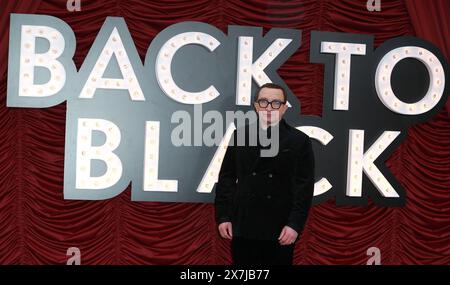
(284, 130)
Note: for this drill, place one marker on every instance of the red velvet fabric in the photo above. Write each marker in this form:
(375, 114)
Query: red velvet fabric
(37, 225)
(431, 22)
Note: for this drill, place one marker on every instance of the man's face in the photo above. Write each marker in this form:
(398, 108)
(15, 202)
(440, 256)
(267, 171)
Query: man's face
(270, 115)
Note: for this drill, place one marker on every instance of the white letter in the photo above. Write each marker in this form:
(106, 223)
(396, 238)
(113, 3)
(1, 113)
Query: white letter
(383, 80)
(151, 182)
(164, 63)
(129, 82)
(86, 152)
(343, 52)
(212, 173)
(246, 69)
(357, 162)
(29, 59)
(324, 137)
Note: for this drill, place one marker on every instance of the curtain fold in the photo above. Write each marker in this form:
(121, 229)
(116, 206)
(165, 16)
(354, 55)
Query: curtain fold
(38, 225)
(431, 22)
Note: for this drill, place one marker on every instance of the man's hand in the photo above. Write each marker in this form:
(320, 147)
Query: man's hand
(288, 236)
(226, 230)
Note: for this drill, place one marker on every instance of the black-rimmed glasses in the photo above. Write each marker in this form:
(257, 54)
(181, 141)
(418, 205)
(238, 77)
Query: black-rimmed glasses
(276, 104)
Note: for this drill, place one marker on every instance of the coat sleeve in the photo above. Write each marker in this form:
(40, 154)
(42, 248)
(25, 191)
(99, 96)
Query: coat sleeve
(303, 187)
(226, 185)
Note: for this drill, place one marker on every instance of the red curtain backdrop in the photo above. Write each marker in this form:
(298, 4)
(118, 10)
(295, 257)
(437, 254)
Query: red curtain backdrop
(38, 226)
(431, 23)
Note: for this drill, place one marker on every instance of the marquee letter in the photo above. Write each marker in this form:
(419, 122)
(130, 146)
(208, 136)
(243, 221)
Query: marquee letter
(324, 137)
(114, 46)
(247, 69)
(86, 152)
(40, 60)
(359, 161)
(164, 63)
(383, 80)
(344, 52)
(151, 158)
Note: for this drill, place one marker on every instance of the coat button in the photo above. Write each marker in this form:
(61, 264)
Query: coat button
(270, 175)
(254, 173)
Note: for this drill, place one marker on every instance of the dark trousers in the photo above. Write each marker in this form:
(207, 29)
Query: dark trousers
(260, 252)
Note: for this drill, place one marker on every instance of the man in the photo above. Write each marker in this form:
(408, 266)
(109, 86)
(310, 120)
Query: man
(262, 202)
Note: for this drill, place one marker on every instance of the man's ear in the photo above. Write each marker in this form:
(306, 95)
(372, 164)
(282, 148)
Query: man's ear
(284, 108)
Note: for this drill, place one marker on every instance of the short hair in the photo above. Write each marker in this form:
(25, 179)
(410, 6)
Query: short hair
(272, 86)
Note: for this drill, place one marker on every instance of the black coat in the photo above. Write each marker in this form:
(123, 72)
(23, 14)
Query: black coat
(261, 195)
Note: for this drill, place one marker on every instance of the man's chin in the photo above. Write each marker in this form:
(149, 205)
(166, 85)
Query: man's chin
(265, 121)
(270, 122)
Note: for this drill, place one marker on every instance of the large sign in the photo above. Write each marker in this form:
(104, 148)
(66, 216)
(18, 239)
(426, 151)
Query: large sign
(163, 127)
